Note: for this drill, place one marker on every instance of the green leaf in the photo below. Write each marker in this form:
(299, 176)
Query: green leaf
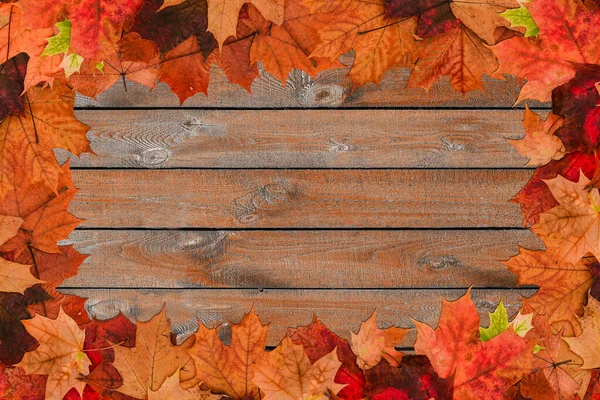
(498, 324)
(522, 324)
(71, 64)
(100, 66)
(521, 17)
(60, 42)
(537, 348)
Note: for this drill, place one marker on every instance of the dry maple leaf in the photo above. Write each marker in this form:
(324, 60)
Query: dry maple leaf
(171, 389)
(540, 143)
(587, 345)
(572, 229)
(27, 140)
(286, 373)
(553, 361)
(60, 354)
(153, 359)
(226, 369)
(563, 285)
(371, 344)
(458, 53)
(17, 35)
(567, 36)
(44, 213)
(378, 42)
(318, 341)
(480, 369)
(223, 15)
(170, 3)
(14, 277)
(95, 23)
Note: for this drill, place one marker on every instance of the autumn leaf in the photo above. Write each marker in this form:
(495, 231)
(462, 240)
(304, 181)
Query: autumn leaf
(287, 373)
(15, 384)
(60, 354)
(578, 101)
(547, 61)
(226, 369)
(12, 75)
(536, 198)
(555, 362)
(319, 341)
(17, 35)
(378, 42)
(223, 15)
(171, 389)
(95, 23)
(44, 213)
(540, 143)
(521, 17)
(458, 53)
(415, 379)
(571, 229)
(563, 285)
(170, 3)
(153, 359)
(371, 344)
(133, 58)
(587, 345)
(498, 324)
(27, 140)
(480, 369)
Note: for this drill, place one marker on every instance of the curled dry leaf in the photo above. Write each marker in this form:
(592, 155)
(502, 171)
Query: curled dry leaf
(371, 344)
(60, 354)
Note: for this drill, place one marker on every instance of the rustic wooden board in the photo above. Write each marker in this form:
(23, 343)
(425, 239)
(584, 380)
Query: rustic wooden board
(341, 310)
(329, 89)
(298, 198)
(298, 259)
(301, 139)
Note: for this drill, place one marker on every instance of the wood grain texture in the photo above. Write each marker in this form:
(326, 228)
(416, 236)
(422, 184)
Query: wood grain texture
(297, 259)
(301, 139)
(298, 198)
(341, 310)
(329, 89)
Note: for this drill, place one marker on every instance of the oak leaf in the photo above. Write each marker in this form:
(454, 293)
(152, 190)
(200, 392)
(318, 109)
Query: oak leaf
(479, 369)
(572, 229)
(227, 369)
(60, 354)
(547, 61)
(540, 143)
(563, 285)
(287, 373)
(223, 15)
(319, 341)
(587, 345)
(153, 359)
(371, 344)
(171, 389)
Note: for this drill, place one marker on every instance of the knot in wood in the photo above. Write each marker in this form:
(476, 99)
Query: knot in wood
(155, 156)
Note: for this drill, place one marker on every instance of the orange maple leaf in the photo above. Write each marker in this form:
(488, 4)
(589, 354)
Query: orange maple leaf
(287, 374)
(60, 354)
(371, 344)
(563, 285)
(480, 369)
(226, 369)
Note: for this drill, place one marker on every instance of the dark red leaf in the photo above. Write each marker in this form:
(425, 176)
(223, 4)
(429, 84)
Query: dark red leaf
(12, 75)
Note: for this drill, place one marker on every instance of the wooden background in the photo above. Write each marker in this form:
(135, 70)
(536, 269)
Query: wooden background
(299, 199)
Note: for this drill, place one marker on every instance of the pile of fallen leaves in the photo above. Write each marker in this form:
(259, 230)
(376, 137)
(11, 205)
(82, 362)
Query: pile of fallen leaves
(50, 49)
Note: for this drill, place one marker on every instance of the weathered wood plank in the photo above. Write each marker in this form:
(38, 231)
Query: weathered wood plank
(307, 139)
(341, 310)
(298, 259)
(329, 89)
(298, 198)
